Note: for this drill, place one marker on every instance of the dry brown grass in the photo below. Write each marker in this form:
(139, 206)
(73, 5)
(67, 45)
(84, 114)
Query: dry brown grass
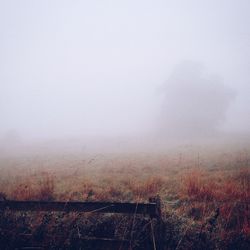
(200, 185)
(196, 187)
(197, 191)
(32, 189)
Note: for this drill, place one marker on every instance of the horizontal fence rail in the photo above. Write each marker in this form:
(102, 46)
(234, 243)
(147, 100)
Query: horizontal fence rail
(150, 208)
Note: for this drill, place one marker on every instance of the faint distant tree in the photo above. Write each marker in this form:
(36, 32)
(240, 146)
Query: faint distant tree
(194, 103)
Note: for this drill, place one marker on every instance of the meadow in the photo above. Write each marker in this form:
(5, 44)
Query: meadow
(205, 196)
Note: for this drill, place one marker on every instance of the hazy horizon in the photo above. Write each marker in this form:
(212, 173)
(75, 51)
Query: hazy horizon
(124, 69)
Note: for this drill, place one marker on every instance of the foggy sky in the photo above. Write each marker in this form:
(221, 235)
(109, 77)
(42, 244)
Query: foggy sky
(76, 67)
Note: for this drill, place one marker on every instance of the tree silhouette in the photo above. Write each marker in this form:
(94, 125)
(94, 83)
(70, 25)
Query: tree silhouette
(195, 104)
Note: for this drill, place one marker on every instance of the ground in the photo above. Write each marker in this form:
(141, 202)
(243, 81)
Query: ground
(205, 197)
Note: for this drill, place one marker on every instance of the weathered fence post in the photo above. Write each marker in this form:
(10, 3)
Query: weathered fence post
(160, 228)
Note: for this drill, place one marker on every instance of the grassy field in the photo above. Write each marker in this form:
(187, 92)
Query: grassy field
(205, 197)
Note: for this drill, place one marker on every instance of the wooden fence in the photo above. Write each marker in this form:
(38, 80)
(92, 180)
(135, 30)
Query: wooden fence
(151, 209)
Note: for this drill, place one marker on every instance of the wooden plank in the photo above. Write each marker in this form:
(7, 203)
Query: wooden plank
(96, 243)
(32, 248)
(75, 206)
(104, 243)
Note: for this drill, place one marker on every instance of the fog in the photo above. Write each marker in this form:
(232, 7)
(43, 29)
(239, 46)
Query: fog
(95, 70)
(194, 104)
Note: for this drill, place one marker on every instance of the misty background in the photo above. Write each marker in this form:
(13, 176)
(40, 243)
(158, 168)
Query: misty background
(123, 69)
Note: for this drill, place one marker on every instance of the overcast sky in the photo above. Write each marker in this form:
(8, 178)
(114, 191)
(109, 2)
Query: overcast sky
(100, 67)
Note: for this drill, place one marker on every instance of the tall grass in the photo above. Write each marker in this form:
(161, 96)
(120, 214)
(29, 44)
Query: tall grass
(195, 192)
